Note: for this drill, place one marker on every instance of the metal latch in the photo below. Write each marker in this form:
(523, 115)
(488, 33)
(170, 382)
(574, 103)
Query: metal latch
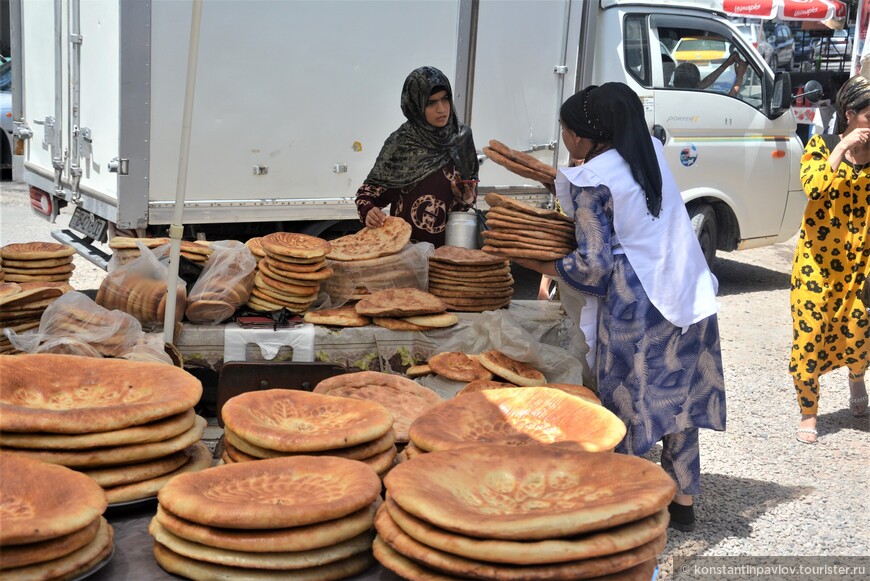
(48, 135)
(540, 146)
(21, 130)
(119, 166)
(560, 69)
(85, 142)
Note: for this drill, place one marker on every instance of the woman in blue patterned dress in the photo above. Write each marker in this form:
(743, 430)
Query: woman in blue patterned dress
(658, 361)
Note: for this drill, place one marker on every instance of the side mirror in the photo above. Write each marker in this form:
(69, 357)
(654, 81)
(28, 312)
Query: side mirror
(780, 97)
(813, 91)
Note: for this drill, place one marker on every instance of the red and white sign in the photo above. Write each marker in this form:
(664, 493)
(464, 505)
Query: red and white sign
(816, 10)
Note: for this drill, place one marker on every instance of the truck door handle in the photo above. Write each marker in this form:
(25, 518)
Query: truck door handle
(659, 133)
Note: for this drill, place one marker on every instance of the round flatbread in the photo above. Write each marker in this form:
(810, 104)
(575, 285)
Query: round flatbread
(242, 450)
(42, 270)
(150, 432)
(514, 252)
(370, 243)
(575, 389)
(463, 567)
(295, 245)
(36, 251)
(208, 311)
(297, 421)
(128, 243)
(458, 367)
(263, 267)
(199, 458)
(43, 501)
(501, 416)
(36, 277)
(9, 288)
(21, 555)
(494, 200)
(397, 324)
(302, 538)
(464, 256)
(400, 302)
(418, 370)
(439, 320)
(312, 276)
(509, 368)
(291, 268)
(483, 491)
(596, 544)
(45, 263)
(341, 317)
(481, 384)
(130, 473)
(272, 494)
(193, 569)
(405, 399)
(76, 395)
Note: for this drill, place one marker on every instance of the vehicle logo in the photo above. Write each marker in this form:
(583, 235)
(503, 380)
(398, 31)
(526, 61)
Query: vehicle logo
(689, 155)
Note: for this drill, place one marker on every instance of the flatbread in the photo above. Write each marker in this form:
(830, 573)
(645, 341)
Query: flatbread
(457, 290)
(358, 452)
(397, 324)
(490, 239)
(440, 320)
(482, 491)
(21, 555)
(207, 311)
(517, 168)
(313, 276)
(44, 263)
(254, 246)
(501, 416)
(199, 459)
(36, 251)
(152, 432)
(295, 245)
(464, 256)
(522, 216)
(463, 567)
(263, 267)
(525, 253)
(400, 302)
(302, 538)
(9, 289)
(523, 158)
(42, 270)
(112, 395)
(370, 243)
(418, 370)
(130, 473)
(29, 295)
(595, 544)
(382, 462)
(578, 390)
(497, 200)
(33, 511)
(291, 268)
(405, 399)
(486, 281)
(481, 384)
(298, 421)
(99, 457)
(129, 243)
(458, 367)
(509, 368)
(345, 316)
(193, 569)
(272, 494)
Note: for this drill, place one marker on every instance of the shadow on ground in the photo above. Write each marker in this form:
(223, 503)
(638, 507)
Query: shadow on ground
(740, 278)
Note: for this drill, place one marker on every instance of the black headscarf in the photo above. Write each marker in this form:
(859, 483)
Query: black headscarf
(613, 113)
(854, 95)
(416, 148)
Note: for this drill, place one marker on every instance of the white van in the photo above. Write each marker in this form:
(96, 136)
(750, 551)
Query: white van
(294, 99)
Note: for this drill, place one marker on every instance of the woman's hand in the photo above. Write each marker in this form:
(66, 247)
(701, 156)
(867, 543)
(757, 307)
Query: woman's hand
(853, 141)
(375, 218)
(464, 190)
(547, 267)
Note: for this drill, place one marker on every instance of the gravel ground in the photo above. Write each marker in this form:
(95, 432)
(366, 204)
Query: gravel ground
(763, 492)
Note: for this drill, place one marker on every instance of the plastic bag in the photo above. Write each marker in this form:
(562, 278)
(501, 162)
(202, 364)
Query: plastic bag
(352, 280)
(224, 284)
(139, 287)
(149, 348)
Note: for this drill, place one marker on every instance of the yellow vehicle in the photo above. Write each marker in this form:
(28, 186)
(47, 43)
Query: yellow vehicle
(703, 51)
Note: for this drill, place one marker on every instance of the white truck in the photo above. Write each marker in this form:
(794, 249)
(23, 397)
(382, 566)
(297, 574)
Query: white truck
(294, 99)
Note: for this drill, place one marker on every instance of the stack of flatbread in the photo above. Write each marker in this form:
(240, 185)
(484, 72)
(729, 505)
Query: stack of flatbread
(128, 425)
(37, 262)
(518, 230)
(276, 423)
(470, 280)
(285, 518)
(224, 284)
(405, 399)
(139, 294)
(345, 316)
(22, 305)
(520, 163)
(406, 309)
(256, 248)
(290, 273)
(125, 249)
(51, 523)
(502, 416)
(518, 513)
(370, 260)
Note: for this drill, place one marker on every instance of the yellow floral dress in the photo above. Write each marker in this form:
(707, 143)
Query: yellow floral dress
(831, 326)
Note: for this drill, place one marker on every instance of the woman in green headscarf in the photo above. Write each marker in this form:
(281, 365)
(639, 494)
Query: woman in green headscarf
(427, 167)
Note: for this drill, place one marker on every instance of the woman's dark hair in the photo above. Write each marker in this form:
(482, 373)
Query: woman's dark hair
(854, 95)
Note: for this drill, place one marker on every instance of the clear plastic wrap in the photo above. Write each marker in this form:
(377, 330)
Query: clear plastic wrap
(139, 287)
(353, 280)
(224, 284)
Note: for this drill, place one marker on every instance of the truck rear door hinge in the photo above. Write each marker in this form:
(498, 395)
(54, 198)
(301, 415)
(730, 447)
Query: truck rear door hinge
(85, 142)
(560, 69)
(119, 166)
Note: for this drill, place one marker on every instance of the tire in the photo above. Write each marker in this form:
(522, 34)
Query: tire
(704, 224)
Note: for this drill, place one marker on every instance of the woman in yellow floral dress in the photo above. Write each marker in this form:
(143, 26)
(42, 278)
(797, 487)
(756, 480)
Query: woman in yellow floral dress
(832, 259)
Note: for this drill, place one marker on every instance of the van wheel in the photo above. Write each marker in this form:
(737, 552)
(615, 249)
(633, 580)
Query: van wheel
(704, 224)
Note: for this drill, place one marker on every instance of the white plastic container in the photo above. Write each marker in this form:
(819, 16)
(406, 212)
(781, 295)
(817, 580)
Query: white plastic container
(462, 229)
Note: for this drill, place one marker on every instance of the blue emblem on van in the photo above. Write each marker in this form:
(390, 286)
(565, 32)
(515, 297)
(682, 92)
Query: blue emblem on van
(689, 155)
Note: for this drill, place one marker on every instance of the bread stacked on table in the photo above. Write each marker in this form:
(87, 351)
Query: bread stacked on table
(22, 305)
(125, 248)
(470, 280)
(520, 163)
(224, 284)
(142, 295)
(518, 513)
(367, 261)
(128, 425)
(404, 399)
(51, 523)
(518, 230)
(406, 309)
(37, 262)
(277, 423)
(285, 518)
(290, 273)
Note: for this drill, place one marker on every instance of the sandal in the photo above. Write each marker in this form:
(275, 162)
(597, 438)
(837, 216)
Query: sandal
(858, 405)
(814, 432)
(682, 517)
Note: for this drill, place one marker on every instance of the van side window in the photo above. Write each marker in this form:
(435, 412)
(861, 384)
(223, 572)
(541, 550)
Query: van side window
(636, 49)
(696, 59)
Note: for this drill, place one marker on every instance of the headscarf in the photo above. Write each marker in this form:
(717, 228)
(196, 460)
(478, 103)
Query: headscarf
(613, 113)
(416, 148)
(854, 95)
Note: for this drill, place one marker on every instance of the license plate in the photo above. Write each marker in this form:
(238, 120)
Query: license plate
(88, 224)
